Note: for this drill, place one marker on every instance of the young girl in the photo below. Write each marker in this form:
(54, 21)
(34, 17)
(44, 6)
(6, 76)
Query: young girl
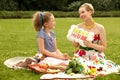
(48, 53)
(43, 23)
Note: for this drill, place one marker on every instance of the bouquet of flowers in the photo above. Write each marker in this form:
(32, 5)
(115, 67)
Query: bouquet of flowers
(76, 67)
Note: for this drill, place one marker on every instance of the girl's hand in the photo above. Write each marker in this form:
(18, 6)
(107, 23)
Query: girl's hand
(66, 56)
(88, 43)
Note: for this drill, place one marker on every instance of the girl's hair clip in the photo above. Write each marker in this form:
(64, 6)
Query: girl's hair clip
(41, 19)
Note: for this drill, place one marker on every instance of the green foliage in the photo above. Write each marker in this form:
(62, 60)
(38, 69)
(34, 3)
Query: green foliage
(65, 14)
(16, 14)
(56, 5)
(74, 6)
(9, 5)
(74, 66)
(104, 5)
(28, 14)
(107, 14)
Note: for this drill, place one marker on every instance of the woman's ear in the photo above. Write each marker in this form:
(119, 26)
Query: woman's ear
(91, 12)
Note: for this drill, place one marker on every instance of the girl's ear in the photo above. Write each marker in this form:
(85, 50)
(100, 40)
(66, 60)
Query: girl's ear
(45, 24)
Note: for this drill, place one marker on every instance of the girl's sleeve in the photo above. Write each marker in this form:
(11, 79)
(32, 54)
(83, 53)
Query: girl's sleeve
(40, 34)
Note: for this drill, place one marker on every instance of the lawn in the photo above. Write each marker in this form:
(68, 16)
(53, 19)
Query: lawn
(18, 38)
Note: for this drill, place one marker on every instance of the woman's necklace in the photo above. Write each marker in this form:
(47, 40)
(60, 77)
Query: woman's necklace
(89, 26)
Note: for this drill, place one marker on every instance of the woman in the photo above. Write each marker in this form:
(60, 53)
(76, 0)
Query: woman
(92, 57)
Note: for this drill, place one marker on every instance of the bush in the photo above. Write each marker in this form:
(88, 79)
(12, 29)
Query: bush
(107, 14)
(28, 14)
(16, 14)
(65, 14)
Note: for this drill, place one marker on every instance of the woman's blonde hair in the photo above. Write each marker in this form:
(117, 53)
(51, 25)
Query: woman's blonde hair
(88, 7)
(39, 18)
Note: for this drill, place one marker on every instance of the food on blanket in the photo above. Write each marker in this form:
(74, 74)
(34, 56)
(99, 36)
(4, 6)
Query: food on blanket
(62, 68)
(44, 68)
(43, 65)
(74, 67)
(52, 71)
(79, 35)
(36, 68)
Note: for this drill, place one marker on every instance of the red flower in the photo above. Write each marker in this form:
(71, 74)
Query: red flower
(100, 69)
(81, 52)
(96, 37)
(91, 67)
(76, 51)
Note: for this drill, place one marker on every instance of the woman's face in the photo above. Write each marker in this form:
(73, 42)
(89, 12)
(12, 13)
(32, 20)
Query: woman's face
(84, 14)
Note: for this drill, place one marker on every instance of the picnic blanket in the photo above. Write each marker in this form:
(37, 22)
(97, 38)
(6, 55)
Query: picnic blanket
(48, 73)
(62, 75)
(10, 63)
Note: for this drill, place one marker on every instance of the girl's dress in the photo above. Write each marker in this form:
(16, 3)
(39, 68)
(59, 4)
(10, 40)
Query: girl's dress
(93, 61)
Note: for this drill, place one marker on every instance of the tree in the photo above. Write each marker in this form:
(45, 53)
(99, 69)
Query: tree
(61, 5)
(74, 6)
(9, 5)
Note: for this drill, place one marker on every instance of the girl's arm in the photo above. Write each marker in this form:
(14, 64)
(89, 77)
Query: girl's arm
(56, 49)
(46, 52)
(59, 52)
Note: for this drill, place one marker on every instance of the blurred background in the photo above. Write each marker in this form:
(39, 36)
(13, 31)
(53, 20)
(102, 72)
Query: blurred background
(24, 8)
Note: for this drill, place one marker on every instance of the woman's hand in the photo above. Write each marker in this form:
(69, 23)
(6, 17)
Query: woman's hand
(88, 43)
(75, 44)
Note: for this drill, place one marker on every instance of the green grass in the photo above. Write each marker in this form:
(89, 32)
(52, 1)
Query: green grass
(18, 38)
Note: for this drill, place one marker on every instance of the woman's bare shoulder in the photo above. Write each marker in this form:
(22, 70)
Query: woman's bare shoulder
(80, 25)
(100, 26)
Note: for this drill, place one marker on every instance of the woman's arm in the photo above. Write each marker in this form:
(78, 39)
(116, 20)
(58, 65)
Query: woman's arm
(102, 46)
(75, 44)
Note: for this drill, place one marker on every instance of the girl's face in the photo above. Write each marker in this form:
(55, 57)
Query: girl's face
(84, 14)
(51, 22)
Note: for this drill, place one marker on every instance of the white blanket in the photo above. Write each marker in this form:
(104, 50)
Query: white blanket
(10, 63)
(65, 76)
